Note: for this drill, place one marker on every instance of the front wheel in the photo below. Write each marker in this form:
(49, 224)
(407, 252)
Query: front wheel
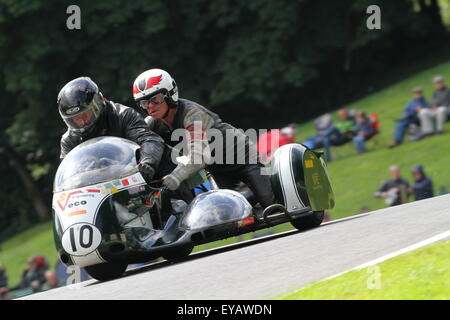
(179, 253)
(106, 271)
(308, 222)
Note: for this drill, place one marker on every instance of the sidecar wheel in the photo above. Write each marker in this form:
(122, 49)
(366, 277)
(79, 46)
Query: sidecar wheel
(309, 222)
(177, 254)
(106, 271)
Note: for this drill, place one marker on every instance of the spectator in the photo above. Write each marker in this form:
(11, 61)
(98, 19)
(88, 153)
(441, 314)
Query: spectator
(364, 131)
(51, 281)
(322, 124)
(394, 191)
(4, 293)
(288, 134)
(423, 186)
(3, 285)
(270, 141)
(340, 133)
(410, 116)
(3, 278)
(34, 275)
(438, 109)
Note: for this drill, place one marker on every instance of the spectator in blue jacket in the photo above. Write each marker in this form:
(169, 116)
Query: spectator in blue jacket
(423, 186)
(410, 115)
(364, 131)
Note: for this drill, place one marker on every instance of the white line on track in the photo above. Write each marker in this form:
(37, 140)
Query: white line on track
(415, 246)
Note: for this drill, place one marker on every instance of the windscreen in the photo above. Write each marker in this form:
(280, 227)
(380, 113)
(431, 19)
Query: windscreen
(94, 161)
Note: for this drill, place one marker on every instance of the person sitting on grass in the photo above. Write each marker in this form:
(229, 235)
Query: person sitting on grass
(34, 276)
(410, 116)
(3, 279)
(438, 109)
(270, 141)
(364, 131)
(340, 133)
(394, 191)
(423, 186)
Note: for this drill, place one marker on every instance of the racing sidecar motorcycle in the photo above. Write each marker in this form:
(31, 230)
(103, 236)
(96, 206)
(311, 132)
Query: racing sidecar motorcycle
(106, 216)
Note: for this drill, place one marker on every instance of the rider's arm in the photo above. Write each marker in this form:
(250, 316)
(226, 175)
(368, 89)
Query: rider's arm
(198, 153)
(67, 144)
(135, 129)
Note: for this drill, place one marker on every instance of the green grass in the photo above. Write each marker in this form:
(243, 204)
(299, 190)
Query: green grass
(15, 252)
(354, 177)
(423, 274)
(371, 168)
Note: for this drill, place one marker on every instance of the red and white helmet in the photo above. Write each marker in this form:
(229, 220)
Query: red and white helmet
(152, 82)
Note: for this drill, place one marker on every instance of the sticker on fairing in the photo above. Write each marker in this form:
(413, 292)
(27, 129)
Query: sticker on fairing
(81, 239)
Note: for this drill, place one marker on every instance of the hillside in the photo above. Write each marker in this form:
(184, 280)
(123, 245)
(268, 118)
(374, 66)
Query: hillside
(354, 177)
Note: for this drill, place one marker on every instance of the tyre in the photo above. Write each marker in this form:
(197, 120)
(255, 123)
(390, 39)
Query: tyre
(106, 271)
(308, 222)
(179, 253)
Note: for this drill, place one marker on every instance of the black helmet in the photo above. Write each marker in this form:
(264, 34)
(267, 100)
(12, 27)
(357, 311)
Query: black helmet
(80, 104)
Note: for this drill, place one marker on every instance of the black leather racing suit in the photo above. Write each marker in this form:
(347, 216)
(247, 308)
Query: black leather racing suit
(121, 121)
(227, 175)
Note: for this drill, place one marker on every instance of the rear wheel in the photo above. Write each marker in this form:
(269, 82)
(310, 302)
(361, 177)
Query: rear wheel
(106, 271)
(179, 253)
(308, 222)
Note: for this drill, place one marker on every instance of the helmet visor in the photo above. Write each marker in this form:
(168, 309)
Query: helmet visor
(82, 116)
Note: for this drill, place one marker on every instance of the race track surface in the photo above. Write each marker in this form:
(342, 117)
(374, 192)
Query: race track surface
(264, 268)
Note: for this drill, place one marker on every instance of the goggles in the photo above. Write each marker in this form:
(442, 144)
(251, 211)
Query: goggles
(155, 100)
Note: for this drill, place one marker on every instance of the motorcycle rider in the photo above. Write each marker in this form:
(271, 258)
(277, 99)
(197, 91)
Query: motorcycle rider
(88, 114)
(157, 93)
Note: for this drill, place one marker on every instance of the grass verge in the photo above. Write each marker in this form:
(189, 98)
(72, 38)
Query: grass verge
(423, 274)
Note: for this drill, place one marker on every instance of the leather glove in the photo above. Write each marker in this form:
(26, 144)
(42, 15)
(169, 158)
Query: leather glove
(182, 172)
(146, 169)
(171, 182)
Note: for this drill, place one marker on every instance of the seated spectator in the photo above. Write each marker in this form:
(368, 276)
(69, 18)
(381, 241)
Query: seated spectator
(340, 133)
(423, 186)
(438, 109)
(394, 191)
(410, 116)
(364, 131)
(270, 141)
(34, 275)
(51, 281)
(3, 278)
(322, 124)
(4, 293)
